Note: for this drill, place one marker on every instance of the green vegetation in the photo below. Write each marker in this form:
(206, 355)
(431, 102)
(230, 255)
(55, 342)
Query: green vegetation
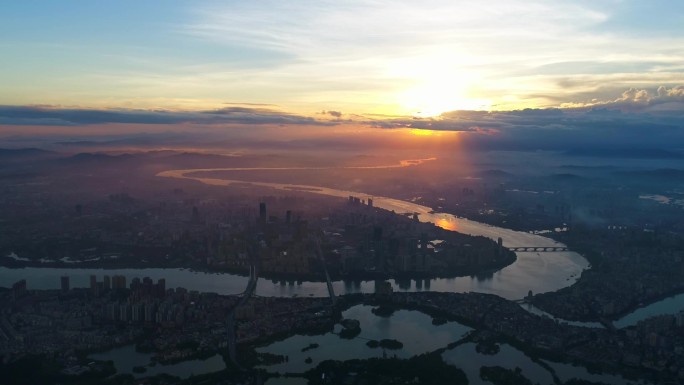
(270, 359)
(386, 343)
(352, 328)
(39, 369)
(383, 311)
(349, 334)
(502, 376)
(311, 346)
(576, 381)
(190, 345)
(487, 347)
(428, 369)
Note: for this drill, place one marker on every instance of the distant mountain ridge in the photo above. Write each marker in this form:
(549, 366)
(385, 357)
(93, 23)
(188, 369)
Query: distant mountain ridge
(25, 154)
(664, 173)
(634, 153)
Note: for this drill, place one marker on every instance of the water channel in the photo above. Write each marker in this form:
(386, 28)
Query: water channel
(538, 272)
(418, 335)
(126, 358)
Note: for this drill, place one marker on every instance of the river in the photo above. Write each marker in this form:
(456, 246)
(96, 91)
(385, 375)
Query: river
(538, 272)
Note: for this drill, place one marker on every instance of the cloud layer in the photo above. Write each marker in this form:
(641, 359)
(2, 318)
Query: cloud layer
(52, 116)
(637, 118)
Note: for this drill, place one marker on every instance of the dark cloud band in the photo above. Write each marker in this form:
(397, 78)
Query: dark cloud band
(48, 116)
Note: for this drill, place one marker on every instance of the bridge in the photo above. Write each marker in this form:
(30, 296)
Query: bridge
(246, 295)
(539, 249)
(331, 291)
(251, 285)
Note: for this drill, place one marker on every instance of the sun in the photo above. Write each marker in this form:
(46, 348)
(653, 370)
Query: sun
(436, 96)
(421, 132)
(435, 85)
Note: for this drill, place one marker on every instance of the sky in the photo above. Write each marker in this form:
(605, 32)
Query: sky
(152, 65)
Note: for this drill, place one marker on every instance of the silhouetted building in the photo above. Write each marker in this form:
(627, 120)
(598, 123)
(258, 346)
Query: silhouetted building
(135, 283)
(107, 283)
(262, 212)
(161, 287)
(119, 282)
(64, 283)
(377, 234)
(93, 283)
(19, 289)
(383, 290)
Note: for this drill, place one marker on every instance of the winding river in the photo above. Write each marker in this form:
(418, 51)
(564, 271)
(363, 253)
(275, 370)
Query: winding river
(539, 272)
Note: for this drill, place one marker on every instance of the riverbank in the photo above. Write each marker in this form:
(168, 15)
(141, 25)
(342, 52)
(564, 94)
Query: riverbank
(638, 273)
(275, 277)
(494, 321)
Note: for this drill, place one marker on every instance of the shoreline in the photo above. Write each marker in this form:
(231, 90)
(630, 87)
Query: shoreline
(319, 278)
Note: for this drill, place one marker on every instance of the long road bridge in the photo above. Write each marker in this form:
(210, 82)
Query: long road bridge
(331, 291)
(230, 322)
(539, 249)
(251, 284)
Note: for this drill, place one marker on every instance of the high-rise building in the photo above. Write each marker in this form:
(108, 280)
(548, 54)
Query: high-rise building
(135, 283)
(195, 214)
(64, 283)
(161, 287)
(19, 289)
(124, 312)
(107, 283)
(150, 312)
(262, 212)
(138, 312)
(119, 282)
(93, 283)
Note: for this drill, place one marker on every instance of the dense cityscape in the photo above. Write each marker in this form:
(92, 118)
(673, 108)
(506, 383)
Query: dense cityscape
(342, 193)
(98, 302)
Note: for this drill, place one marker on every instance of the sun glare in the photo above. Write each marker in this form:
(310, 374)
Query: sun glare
(436, 86)
(446, 224)
(421, 132)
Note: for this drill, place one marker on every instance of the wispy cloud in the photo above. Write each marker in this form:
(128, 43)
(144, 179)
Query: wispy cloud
(359, 56)
(411, 55)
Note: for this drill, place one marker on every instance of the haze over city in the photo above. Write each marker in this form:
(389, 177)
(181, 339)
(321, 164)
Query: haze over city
(318, 192)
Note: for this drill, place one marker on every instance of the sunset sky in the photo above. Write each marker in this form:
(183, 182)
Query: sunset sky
(375, 63)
